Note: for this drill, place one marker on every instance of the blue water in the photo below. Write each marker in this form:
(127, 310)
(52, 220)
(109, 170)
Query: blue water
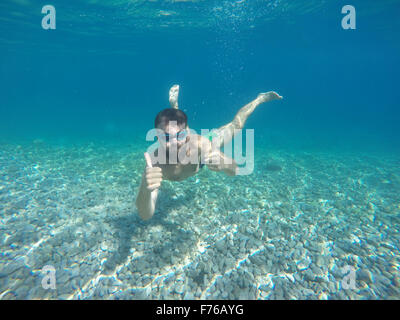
(94, 73)
(105, 72)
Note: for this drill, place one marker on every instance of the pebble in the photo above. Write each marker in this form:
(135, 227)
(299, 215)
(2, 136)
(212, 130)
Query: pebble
(319, 260)
(323, 296)
(290, 277)
(220, 245)
(308, 292)
(265, 288)
(383, 280)
(74, 272)
(12, 267)
(303, 264)
(179, 288)
(396, 281)
(365, 275)
(188, 296)
(308, 275)
(22, 292)
(244, 295)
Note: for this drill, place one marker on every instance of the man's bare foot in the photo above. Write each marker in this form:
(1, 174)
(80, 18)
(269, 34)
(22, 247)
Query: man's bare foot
(268, 96)
(173, 96)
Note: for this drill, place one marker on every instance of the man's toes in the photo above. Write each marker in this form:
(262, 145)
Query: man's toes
(267, 96)
(276, 95)
(262, 95)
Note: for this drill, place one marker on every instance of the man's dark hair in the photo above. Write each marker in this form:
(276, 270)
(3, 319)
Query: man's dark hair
(170, 114)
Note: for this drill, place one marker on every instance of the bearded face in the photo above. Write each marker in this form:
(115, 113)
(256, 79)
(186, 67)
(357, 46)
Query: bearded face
(173, 136)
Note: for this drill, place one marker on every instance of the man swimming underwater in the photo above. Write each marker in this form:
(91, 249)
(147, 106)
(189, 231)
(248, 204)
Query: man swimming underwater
(174, 134)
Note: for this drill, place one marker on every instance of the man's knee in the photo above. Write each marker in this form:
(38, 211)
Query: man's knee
(237, 123)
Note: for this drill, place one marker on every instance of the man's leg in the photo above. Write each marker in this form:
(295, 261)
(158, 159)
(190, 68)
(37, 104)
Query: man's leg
(227, 131)
(173, 96)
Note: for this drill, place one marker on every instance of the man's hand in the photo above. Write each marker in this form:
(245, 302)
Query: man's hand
(153, 175)
(217, 161)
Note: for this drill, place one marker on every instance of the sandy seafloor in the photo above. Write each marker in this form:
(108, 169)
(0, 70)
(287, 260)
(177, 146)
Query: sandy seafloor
(284, 232)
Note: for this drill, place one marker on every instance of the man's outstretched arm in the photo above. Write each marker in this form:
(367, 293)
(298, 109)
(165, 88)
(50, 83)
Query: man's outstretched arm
(146, 200)
(215, 159)
(231, 168)
(218, 161)
(148, 192)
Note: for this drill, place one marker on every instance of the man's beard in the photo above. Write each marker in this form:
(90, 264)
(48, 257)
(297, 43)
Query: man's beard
(177, 153)
(174, 153)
